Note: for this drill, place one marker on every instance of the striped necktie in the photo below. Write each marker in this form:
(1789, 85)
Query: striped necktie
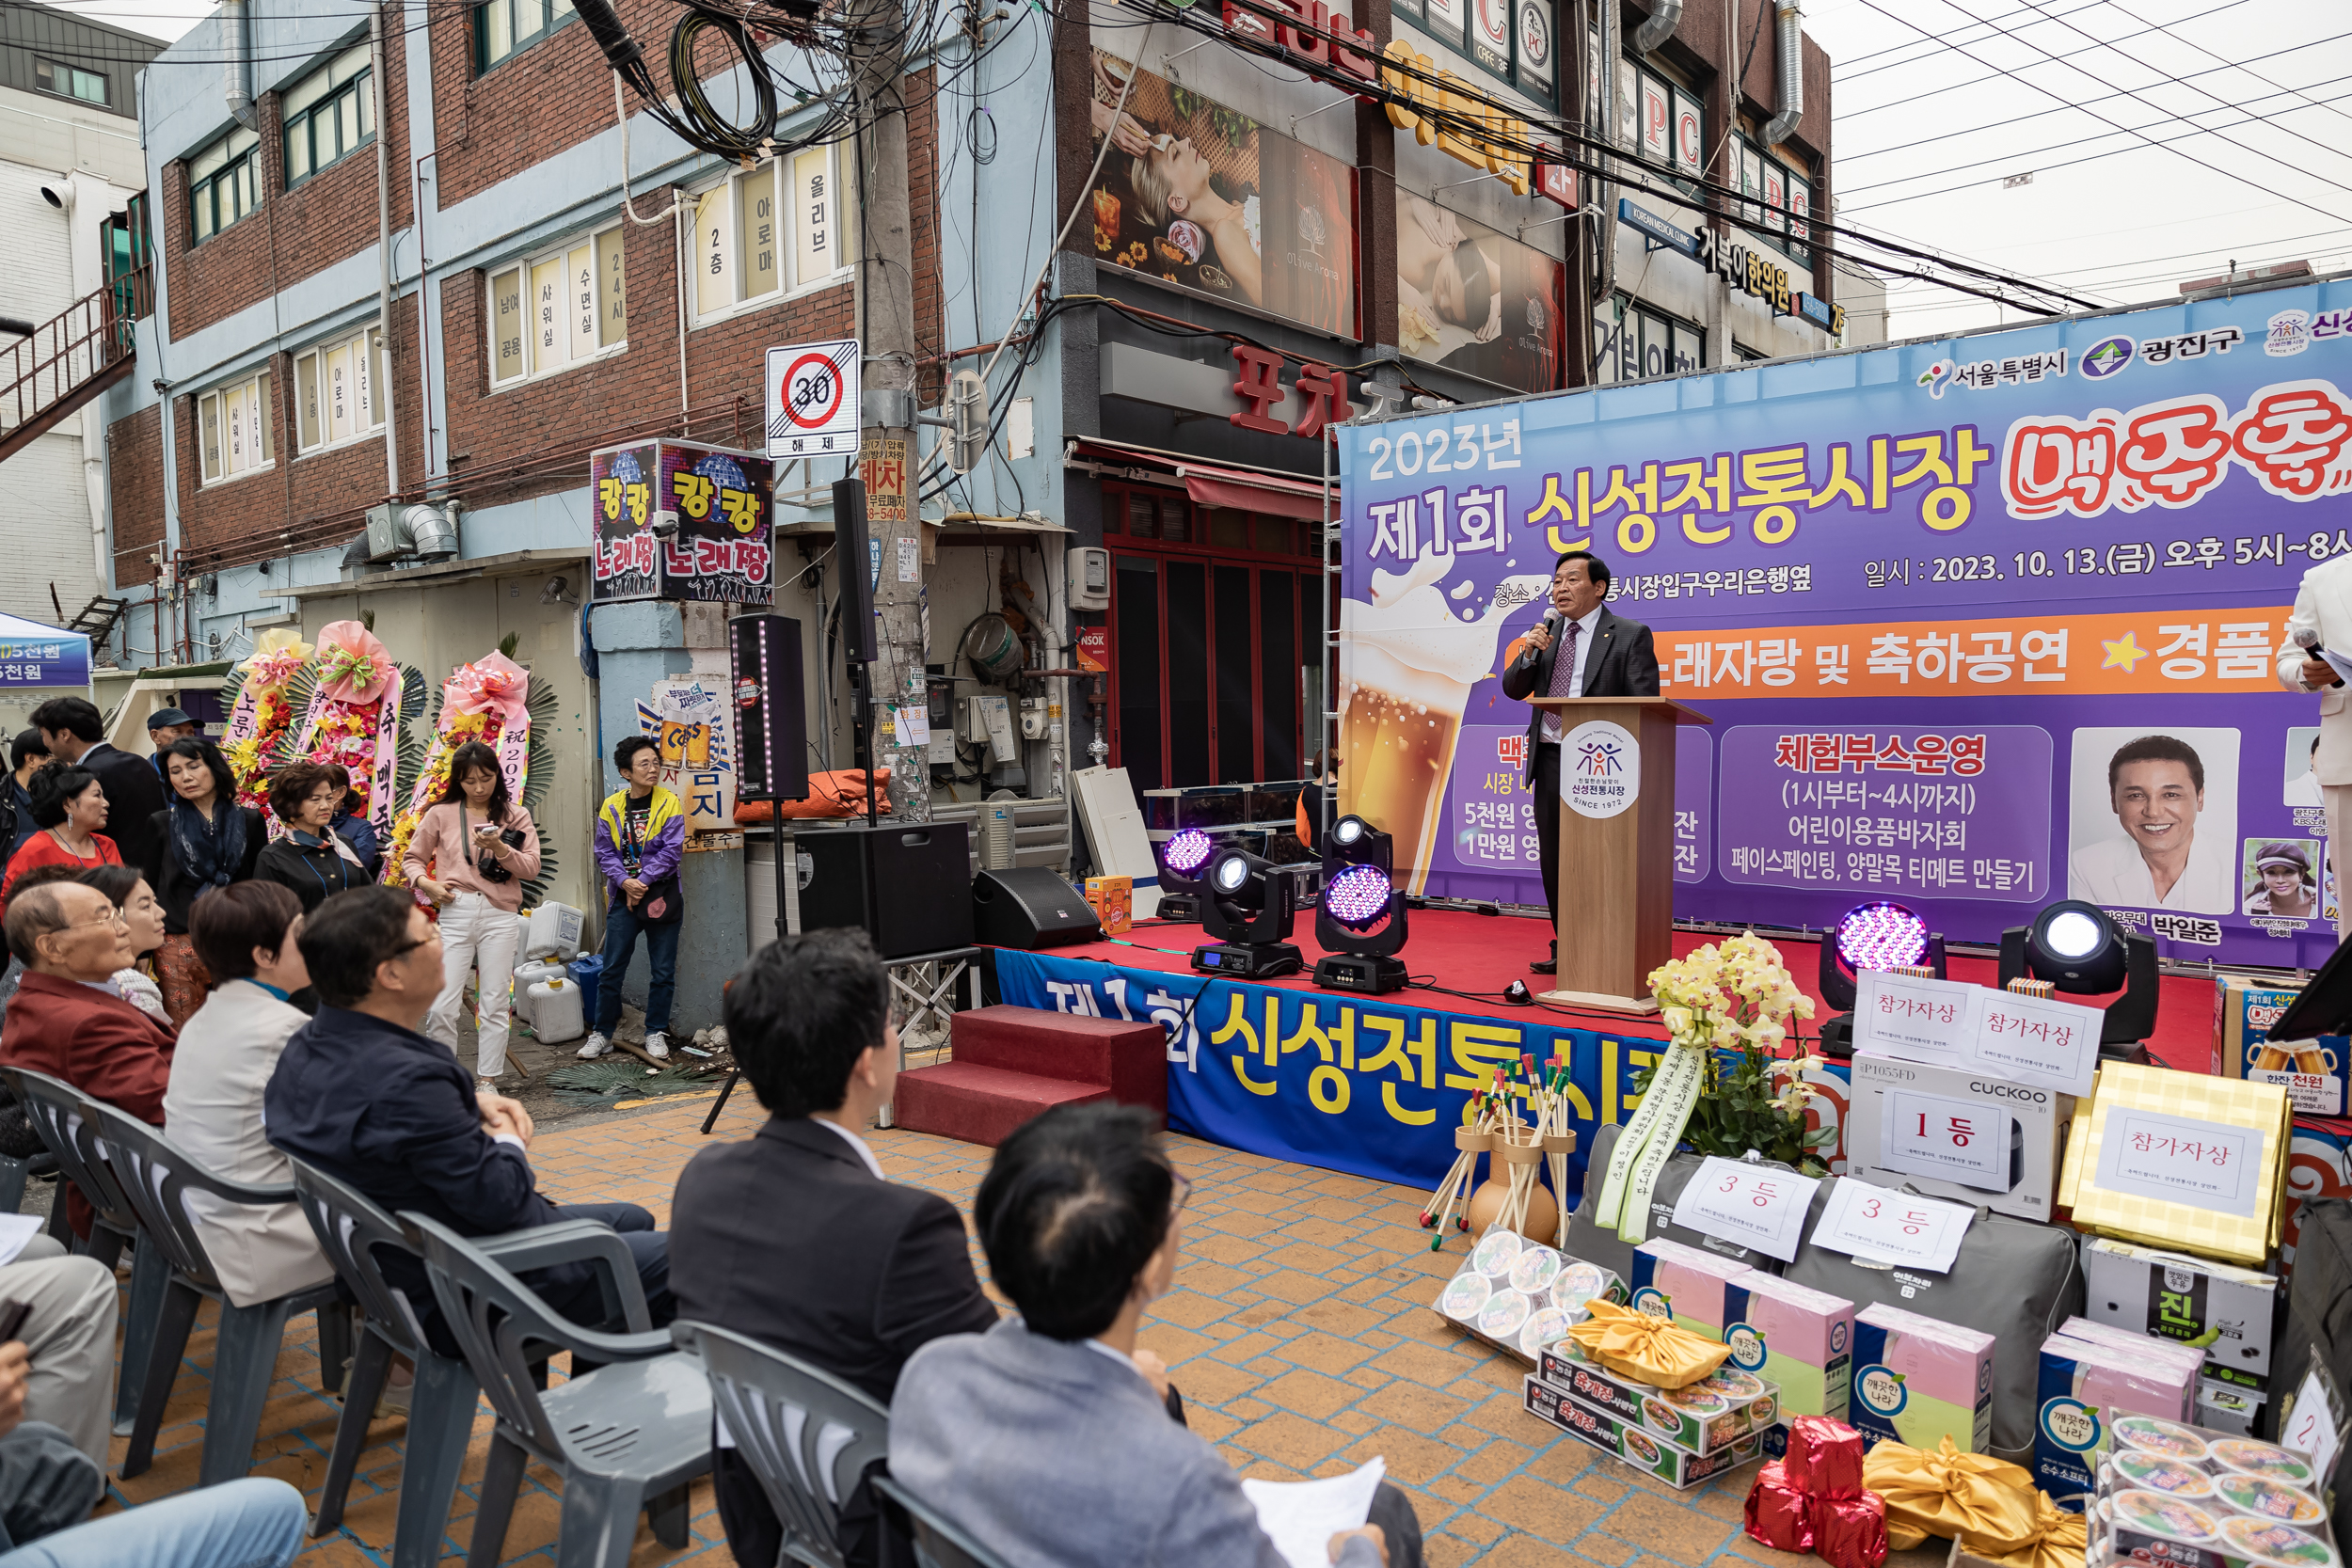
(1562, 679)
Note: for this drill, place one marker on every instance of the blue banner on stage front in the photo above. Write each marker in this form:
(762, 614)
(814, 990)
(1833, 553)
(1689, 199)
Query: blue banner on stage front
(1345, 1082)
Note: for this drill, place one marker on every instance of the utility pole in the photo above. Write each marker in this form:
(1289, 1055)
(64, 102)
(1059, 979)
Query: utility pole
(889, 461)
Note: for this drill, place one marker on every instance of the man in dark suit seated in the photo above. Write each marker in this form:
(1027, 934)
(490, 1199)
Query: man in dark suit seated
(365, 1097)
(1039, 1438)
(67, 1022)
(793, 1236)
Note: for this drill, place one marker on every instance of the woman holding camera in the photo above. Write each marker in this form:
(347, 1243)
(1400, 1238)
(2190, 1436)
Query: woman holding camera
(472, 855)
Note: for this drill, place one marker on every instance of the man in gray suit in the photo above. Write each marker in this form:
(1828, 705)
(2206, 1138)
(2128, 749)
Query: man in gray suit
(1580, 650)
(1039, 1439)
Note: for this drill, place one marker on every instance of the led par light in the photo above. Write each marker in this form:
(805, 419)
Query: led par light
(1183, 859)
(2080, 952)
(1877, 935)
(1353, 841)
(1245, 904)
(1359, 924)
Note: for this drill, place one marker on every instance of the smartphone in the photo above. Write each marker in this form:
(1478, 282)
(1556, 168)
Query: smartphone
(12, 1316)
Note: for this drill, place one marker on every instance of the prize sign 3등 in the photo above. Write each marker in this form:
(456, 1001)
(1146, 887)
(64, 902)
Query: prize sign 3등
(812, 395)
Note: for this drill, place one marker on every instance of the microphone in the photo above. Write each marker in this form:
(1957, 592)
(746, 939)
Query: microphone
(2308, 640)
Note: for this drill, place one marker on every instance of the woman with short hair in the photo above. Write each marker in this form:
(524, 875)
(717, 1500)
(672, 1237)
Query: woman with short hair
(311, 859)
(143, 917)
(69, 807)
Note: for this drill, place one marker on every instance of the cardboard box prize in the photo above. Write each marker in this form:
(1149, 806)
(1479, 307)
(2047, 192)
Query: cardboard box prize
(2181, 1160)
(1113, 900)
(1919, 1381)
(1610, 1433)
(2312, 1072)
(2229, 1311)
(2084, 1386)
(1714, 1412)
(1956, 1134)
(1671, 1280)
(1799, 1338)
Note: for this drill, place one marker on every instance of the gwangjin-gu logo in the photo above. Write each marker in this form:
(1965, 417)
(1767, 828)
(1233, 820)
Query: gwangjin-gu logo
(2106, 357)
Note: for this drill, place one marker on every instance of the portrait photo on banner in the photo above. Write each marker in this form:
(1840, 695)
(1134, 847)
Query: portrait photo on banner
(2153, 819)
(1200, 194)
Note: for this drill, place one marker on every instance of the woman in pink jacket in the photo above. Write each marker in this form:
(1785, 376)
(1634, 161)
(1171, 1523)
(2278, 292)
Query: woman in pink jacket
(472, 855)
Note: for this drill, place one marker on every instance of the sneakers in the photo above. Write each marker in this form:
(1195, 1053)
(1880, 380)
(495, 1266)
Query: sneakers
(658, 1045)
(597, 1046)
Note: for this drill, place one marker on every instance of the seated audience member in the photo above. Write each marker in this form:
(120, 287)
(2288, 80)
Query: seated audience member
(143, 917)
(63, 1358)
(66, 1020)
(365, 1097)
(203, 839)
(27, 756)
(1039, 1439)
(245, 935)
(312, 859)
(75, 736)
(258, 1522)
(70, 812)
(809, 1021)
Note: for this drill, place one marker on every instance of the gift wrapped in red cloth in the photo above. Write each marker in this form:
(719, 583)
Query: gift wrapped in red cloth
(1814, 1501)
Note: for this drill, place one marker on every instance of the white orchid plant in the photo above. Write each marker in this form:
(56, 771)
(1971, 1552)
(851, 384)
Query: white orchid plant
(1733, 1004)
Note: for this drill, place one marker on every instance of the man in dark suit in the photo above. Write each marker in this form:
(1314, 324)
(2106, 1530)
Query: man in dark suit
(793, 1237)
(70, 728)
(1587, 652)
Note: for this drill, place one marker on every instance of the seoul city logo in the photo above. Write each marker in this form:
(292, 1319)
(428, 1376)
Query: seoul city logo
(2106, 356)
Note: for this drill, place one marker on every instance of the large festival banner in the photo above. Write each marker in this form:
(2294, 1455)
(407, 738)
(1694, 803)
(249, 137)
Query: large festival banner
(1979, 624)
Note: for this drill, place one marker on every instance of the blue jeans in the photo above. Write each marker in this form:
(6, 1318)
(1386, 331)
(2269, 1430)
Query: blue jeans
(621, 931)
(253, 1522)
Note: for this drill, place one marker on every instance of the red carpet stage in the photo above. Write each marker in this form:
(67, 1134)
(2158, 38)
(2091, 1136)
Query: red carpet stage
(1480, 954)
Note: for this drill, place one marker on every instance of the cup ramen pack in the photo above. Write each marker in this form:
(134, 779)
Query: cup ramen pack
(1718, 1410)
(2192, 1498)
(1521, 1295)
(1630, 1441)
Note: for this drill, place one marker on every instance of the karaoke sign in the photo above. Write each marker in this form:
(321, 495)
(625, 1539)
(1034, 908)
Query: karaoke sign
(1980, 624)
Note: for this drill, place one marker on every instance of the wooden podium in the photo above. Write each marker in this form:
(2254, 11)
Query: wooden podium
(1617, 872)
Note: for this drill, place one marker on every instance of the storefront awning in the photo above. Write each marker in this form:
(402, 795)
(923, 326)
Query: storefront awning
(1234, 485)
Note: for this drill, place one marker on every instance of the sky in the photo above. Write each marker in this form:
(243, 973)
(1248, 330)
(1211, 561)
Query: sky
(2162, 138)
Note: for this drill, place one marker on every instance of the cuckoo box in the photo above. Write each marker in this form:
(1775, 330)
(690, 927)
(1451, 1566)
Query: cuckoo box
(2312, 1072)
(2228, 1311)
(1671, 1280)
(1947, 1132)
(1799, 1338)
(1919, 1380)
(1625, 1439)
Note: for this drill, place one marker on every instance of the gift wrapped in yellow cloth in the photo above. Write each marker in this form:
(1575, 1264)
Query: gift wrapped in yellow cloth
(1645, 1349)
(1991, 1505)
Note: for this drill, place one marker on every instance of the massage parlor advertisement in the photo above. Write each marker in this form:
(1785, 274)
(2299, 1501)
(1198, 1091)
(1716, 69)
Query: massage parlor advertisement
(1197, 193)
(1977, 624)
(1473, 301)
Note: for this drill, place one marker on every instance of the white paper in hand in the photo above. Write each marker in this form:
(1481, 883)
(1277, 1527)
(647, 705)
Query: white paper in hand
(15, 1230)
(1301, 1516)
(1749, 1205)
(1880, 1226)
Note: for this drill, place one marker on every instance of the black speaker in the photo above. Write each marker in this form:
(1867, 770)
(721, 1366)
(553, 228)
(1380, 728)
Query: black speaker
(1029, 907)
(853, 564)
(902, 883)
(771, 716)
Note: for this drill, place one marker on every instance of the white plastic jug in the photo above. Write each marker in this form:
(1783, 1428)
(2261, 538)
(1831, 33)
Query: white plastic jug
(555, 1015)
(553, 930)
(527, 976)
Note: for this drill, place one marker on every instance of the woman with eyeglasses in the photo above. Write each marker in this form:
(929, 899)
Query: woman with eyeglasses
(70, 808)
(472, 855)
(312, 859)
(201, 840)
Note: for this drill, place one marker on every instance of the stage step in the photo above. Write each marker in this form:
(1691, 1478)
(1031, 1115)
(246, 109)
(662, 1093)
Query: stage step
(980, 1105)
(1130, 1059)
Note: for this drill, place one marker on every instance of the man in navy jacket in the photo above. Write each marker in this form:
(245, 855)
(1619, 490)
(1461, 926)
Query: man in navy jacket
(365, 1097)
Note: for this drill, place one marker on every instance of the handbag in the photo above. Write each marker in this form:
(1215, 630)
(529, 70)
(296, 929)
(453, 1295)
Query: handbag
(664, 904)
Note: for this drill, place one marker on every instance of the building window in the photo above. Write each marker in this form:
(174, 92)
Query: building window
(330, 112)
(503, 27)
(556, 310)
(234, 426)
(769, 232)
(335, 391)
(1637, 343)
(1780, 204)
(1665, 123)
(70, 81)
(225, 181)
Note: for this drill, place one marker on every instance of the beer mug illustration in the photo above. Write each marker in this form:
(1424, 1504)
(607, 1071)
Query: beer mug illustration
(2311, 1058)
(2269, 1058)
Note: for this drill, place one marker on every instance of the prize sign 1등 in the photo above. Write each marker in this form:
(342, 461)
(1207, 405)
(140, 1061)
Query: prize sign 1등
(812, 400)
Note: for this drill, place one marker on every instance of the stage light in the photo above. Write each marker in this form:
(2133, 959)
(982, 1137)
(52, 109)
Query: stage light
(2079, 951)
(1183, 859)
(1359, 924)
(1353, 841)
(1880, 935)
(1246, 905)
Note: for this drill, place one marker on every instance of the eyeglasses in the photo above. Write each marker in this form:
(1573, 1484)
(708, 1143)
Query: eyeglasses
(113, 919)
(431, 939)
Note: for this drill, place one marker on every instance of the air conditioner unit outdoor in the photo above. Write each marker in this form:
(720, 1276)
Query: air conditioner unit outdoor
(429, 532)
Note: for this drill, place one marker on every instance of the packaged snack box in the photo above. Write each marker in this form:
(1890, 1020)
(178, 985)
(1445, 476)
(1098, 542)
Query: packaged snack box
(2085, 1387)
(1790, 1334)
(2194, 1497)
(2312, 1072)
(1919, 1380)
(1114, 902)
(2228, 1311)
(1671, 1280)
(1628, 1440)
(1719, 1410)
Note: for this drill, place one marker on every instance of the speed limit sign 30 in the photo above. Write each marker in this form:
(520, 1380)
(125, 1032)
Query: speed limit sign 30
(813, 407)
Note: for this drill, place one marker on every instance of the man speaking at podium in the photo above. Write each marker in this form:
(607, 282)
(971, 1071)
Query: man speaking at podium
(1581, 650)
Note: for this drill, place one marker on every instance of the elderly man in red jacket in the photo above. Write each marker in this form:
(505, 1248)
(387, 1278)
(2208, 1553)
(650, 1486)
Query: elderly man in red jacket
(65, 1019)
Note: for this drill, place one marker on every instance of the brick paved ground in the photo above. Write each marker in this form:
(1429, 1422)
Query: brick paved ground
(1299, 1332)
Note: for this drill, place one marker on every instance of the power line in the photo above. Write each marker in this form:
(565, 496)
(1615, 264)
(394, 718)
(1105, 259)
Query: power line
(2167, 29)
(1992, 24)
(2102, 118)
(2044, 113)
(1994, 71)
